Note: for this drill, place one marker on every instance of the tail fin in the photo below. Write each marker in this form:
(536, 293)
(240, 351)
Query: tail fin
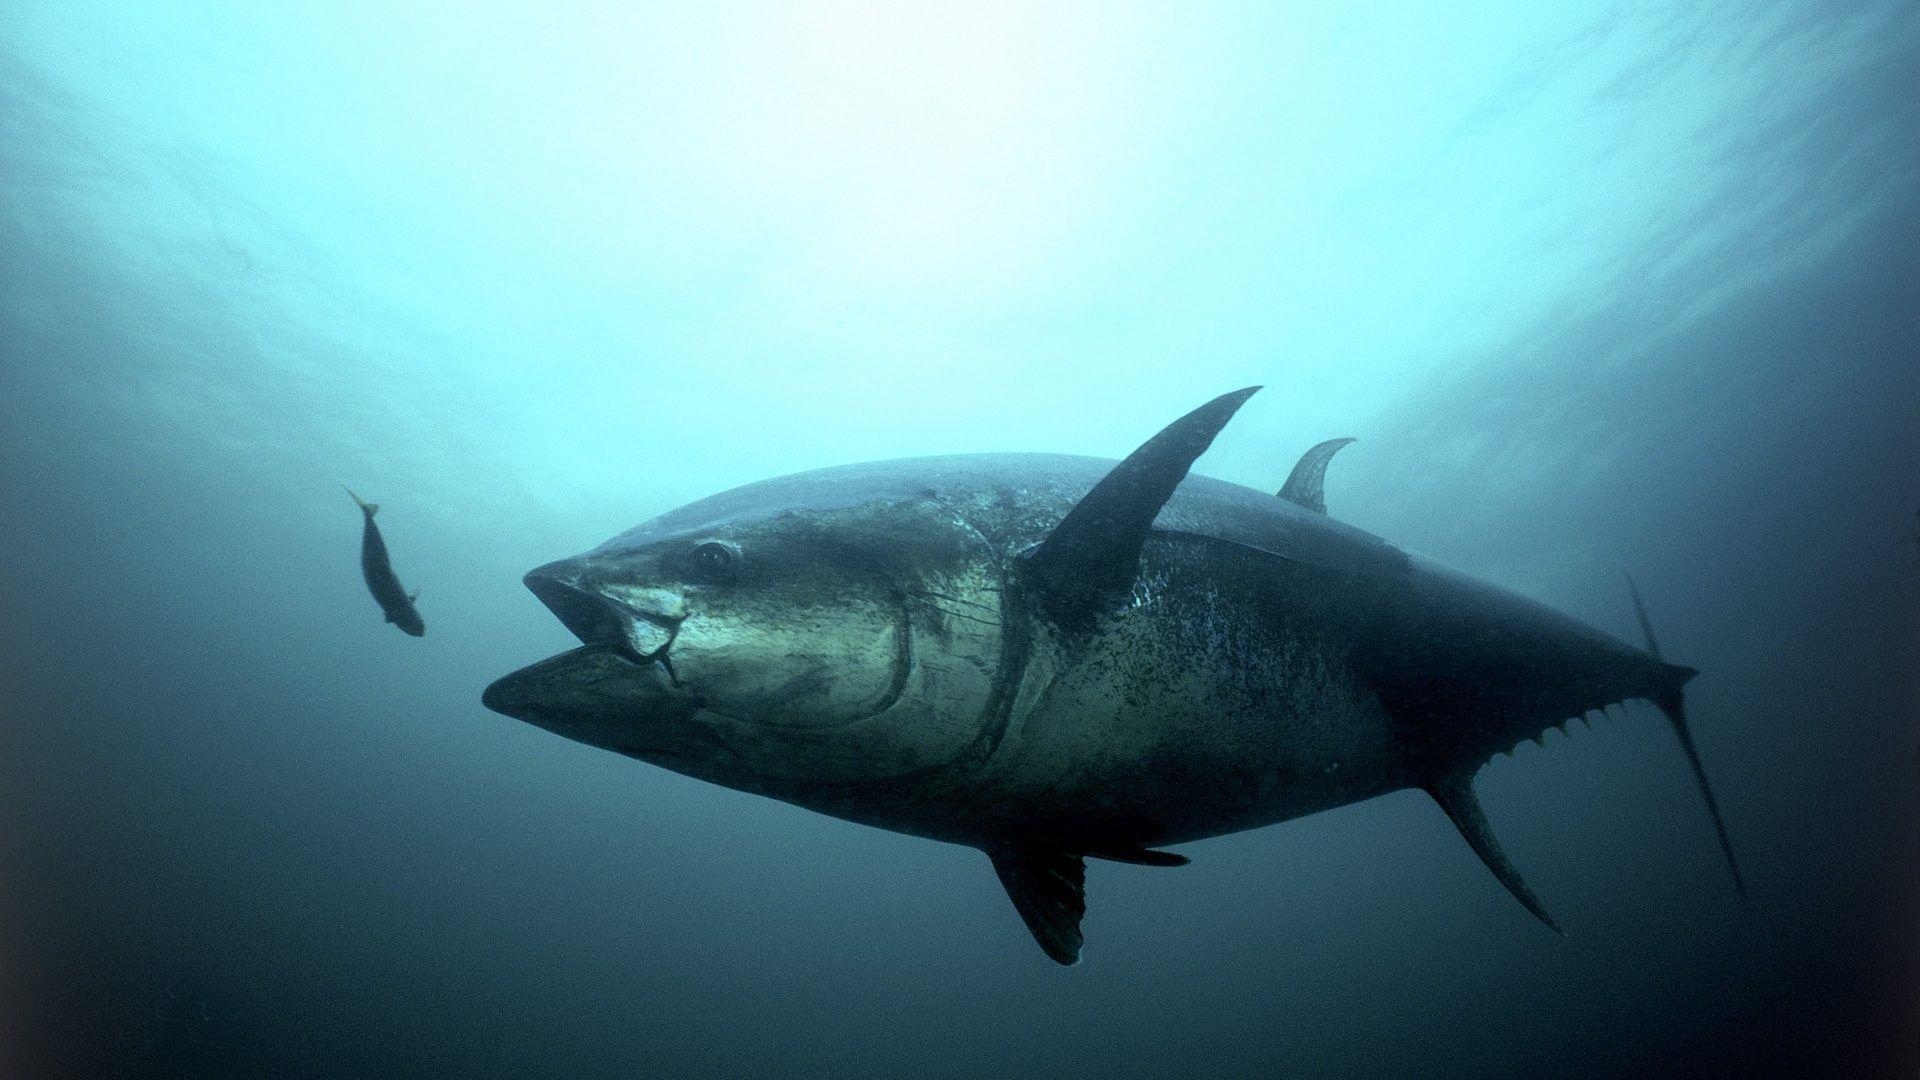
(1669, 700)
(366, 507)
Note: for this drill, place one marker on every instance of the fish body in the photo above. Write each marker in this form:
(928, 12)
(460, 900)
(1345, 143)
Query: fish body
(1051, 658)
(396, 604)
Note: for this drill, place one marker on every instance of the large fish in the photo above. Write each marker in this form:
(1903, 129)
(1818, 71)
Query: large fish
(1054, 658)
(396, 603)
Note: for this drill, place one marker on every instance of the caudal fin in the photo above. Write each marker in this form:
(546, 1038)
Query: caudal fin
(366, 507)
(1670, 701)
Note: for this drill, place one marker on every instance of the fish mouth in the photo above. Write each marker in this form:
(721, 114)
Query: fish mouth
(642, 638)
(620, 672)
(593, 694)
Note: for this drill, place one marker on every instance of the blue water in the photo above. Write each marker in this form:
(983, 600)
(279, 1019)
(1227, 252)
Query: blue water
(1597, 288)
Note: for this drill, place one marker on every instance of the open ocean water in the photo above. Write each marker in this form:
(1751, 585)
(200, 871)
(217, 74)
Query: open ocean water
(1597, 287)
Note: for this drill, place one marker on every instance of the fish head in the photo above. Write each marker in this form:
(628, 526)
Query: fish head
(775, 648)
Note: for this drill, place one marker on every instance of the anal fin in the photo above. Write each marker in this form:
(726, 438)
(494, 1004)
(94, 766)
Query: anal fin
(1049, 890)
(1455, 796)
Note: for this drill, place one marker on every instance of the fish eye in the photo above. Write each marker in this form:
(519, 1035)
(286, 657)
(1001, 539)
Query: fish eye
(711, 562)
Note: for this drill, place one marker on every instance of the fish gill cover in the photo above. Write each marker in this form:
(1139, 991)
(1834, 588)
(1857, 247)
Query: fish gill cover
(1597, 287)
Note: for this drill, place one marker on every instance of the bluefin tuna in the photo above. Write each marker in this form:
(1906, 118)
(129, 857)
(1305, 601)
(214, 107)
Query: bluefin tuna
(1055, 658)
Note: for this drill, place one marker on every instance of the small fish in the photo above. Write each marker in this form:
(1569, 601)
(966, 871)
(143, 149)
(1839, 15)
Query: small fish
(394, 600)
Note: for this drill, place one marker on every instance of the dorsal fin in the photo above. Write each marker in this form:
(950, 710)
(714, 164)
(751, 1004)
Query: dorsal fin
(1306, 485)
(1086, 566)
(1455, 796)
(1049, 890)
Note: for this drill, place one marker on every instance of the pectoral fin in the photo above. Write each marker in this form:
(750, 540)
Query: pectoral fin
(1049, 890)
(1138, 856)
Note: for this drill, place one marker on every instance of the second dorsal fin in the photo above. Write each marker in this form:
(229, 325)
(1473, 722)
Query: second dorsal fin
(1455, 796)
(1086, 566)
(1306, 485)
